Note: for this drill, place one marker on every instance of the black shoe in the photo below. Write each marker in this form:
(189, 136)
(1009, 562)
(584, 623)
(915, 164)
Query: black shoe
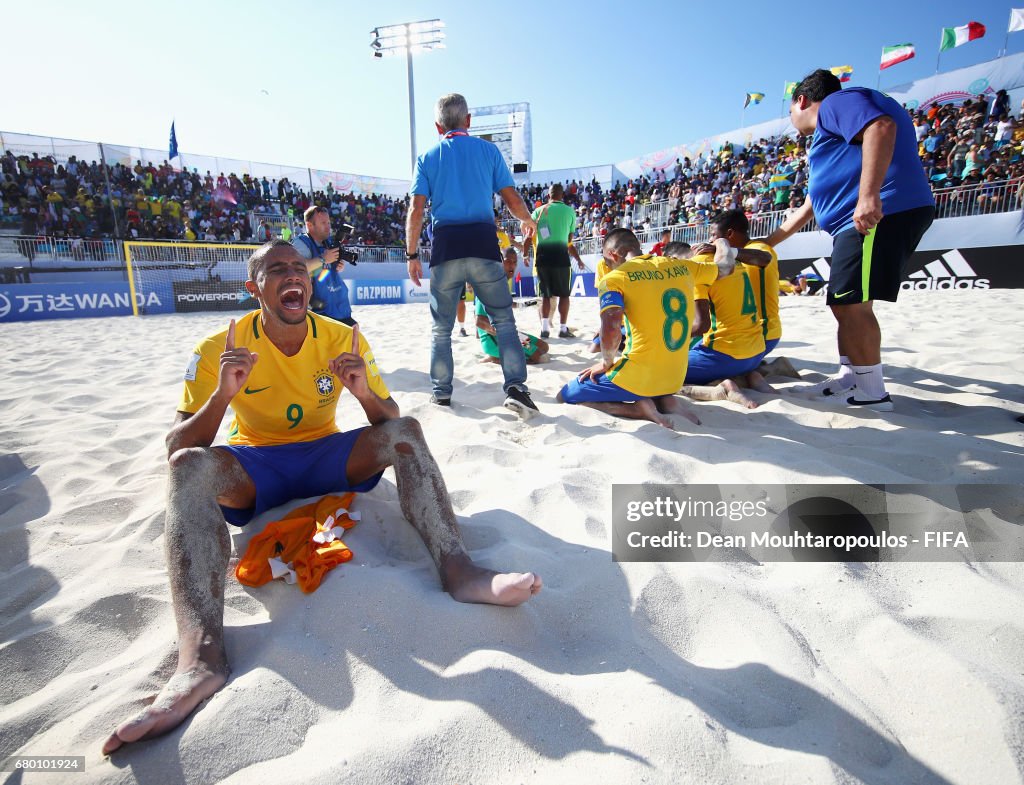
(520, 402)
(440, 401)
(463, 333)
(545, 333)
(564, 333)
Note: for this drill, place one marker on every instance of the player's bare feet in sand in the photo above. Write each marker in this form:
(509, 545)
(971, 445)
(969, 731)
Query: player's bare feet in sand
(669, 404)
(780, 366)
(467, 582)
(726, 390)
(176, 701)
(735, 394)
(757, 382)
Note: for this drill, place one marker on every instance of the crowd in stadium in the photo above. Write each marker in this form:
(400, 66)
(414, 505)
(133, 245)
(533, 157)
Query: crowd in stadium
(966, 147)
(147, 201)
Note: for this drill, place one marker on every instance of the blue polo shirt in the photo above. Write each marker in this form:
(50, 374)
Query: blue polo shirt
(835, 161)
(460, 177)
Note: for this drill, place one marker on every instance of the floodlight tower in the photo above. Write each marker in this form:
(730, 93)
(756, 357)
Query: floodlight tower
(408, 37)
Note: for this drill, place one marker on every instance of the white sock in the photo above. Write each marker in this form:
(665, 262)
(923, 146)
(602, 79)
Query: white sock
(845, 377)
(545, 324)
(870, 383)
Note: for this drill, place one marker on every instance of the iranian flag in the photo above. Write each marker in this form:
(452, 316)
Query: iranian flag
(958, 36)
(891, 55)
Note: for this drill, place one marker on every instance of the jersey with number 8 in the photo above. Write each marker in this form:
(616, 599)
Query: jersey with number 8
(656, 294)
(285, 399)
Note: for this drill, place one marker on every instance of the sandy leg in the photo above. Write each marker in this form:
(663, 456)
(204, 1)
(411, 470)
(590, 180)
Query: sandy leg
(197, 549)
(427, 506)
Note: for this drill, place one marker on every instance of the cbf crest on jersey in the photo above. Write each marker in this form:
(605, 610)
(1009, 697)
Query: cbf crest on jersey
(324, 381)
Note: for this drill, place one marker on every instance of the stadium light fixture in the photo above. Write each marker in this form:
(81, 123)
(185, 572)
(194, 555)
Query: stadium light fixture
(408, 38)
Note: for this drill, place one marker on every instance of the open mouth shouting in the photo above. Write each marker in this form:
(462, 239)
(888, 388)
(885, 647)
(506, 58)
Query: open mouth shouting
(293, 298)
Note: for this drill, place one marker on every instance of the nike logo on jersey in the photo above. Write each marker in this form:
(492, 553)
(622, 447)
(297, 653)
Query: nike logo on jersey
(845, 293)
(247, 391)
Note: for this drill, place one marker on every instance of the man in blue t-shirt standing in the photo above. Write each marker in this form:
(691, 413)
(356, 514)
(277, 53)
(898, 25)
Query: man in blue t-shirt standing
(460, 177)
(868, 190)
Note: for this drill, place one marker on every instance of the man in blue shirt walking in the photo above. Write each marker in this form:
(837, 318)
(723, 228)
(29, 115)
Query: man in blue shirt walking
(459, 177)
(868, 190)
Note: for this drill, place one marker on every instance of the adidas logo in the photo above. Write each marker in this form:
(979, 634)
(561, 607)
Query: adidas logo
(818, 267)
(956, 273)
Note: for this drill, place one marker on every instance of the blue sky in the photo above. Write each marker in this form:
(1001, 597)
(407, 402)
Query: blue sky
(604, 82)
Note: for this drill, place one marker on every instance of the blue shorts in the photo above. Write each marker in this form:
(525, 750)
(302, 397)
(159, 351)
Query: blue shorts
(707, 365)
(601, 391)
(294, 471)
(769, 347)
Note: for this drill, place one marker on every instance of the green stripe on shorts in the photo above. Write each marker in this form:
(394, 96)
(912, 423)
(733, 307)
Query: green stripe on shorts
(865, 266)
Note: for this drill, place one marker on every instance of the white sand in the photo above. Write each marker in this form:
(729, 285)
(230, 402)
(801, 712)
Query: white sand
(661, 673)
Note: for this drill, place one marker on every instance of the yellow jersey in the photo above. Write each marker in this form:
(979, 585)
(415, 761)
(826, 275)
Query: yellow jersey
(503, 241)
(656, 295)
(735, 323)
(285, 399)
(765, 282)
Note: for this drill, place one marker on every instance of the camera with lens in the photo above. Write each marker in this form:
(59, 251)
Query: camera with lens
(341, 236)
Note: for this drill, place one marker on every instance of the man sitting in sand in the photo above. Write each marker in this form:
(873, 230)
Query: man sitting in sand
(674, 248)
(732, 318)
(282, 370)
(654, 295)
(535, 349)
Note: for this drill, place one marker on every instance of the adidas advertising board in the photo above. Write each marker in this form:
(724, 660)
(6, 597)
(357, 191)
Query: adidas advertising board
(996, 267)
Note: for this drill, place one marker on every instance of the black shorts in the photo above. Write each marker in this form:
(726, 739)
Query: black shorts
(554, 281)
(869, 267)
(552, 256)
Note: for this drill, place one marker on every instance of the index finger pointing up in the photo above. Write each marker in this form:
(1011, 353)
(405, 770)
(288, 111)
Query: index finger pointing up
(355, 339)
(229, 341)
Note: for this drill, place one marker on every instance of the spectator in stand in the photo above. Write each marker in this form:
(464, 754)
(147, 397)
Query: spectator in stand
(263, 232)
(666, 238)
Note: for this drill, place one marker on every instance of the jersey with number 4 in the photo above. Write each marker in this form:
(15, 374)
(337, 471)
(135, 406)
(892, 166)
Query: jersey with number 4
(285, 399)
(765, 283)
(736, 328)
(656, 295)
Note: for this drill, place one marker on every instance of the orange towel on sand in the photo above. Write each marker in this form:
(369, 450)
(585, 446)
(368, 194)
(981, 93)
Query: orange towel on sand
(304, 541)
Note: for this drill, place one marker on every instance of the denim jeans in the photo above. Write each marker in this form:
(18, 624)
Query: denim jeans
(490, 285)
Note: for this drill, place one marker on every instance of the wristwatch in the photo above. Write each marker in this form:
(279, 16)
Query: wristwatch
(412, 256)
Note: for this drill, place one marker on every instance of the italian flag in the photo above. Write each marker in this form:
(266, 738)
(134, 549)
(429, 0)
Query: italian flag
(958, 36)
(891, 55)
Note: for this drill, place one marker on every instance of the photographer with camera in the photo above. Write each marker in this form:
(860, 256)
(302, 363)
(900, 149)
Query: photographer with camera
(326, 261)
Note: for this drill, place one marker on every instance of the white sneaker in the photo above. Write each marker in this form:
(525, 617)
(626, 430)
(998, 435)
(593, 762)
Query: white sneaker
(824, 389)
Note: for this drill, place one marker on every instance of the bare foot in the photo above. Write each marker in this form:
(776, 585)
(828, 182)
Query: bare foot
(467, 582)
(757, 382)
(176, 701)
(650, 412)
(734, 394)
(780, 366)
(669, 404)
